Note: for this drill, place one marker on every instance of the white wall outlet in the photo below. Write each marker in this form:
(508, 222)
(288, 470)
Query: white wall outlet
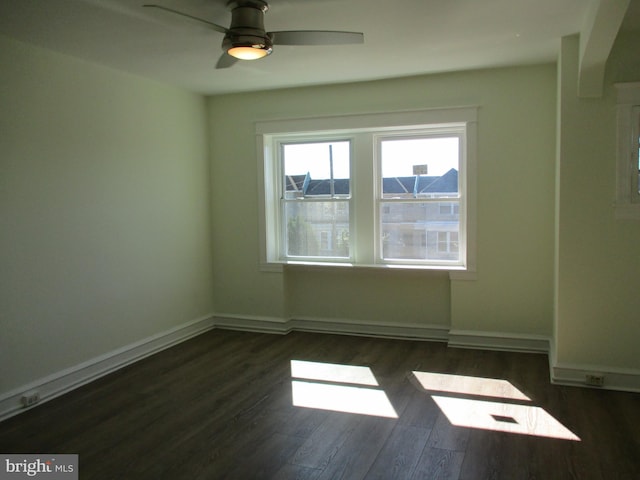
(30, 398)
(594, 379)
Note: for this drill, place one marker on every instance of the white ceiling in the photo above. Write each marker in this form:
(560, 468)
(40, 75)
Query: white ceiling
(402, 37)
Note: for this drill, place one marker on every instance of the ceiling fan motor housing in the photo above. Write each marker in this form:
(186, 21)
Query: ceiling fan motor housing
(247, 26)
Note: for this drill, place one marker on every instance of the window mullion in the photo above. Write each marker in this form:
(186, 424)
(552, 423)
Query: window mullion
(363, 219)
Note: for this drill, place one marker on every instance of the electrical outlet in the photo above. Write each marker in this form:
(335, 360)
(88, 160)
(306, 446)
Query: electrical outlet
(30, 398)
(594, 379)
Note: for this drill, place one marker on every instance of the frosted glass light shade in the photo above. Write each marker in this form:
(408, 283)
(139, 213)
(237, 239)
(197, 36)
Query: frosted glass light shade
(249, 53)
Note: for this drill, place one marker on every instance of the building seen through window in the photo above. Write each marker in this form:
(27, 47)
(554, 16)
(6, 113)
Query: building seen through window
(426, 230)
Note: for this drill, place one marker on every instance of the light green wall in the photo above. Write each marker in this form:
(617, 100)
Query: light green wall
(598, 300)
(104, 211)
(516, 145)
(372, 297)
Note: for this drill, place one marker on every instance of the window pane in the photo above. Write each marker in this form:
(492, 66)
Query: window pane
(420, 230)
(316, 169)
(317, 229)
(420, 167)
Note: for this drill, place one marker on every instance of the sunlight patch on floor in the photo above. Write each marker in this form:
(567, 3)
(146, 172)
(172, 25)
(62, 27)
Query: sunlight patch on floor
(485, 387)
(333, 372)
(447, 390)
(342, 398)
(503, 417)
(339, 388)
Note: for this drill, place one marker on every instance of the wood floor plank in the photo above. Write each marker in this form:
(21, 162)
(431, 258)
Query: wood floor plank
(296, 472)
(267, 459)
(420, 410)
(359, 450)
(437, 464)
(400, 454)
(446, 436)
(491, 451)
(320, 448)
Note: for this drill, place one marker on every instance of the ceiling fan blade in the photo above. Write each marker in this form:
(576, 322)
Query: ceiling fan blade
(200, 21)
(226, 61)
(315, 37)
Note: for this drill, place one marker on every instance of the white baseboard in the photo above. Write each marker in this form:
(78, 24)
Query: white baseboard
(405, 331)
(249, 323)
(511, 342)
(338, 326)
(626, 380)
(574, 375)
(59, 383)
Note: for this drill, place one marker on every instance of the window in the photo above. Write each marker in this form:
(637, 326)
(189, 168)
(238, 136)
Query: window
(628, 163)
(378, 190)
(411, 204)
(315, 199)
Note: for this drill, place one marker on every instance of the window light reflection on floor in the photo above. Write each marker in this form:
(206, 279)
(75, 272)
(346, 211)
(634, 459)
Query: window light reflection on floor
(506, 416)
(486, 387)
(342, 398)
(339, 388)
(333, 372)
(503, 417)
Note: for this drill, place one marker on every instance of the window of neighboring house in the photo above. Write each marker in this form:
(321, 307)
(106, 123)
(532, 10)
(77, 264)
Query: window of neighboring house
(628, 163)
(448, 243)
(370, 190)
(447, 208)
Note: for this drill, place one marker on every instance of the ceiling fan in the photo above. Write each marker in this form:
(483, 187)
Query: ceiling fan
(246, 38)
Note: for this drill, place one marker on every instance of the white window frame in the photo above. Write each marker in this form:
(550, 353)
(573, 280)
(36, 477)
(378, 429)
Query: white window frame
(457, 130)
(359, 129)
(627, 205)
(277, 143)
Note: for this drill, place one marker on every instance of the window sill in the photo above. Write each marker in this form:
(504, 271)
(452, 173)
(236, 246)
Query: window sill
(455, 273)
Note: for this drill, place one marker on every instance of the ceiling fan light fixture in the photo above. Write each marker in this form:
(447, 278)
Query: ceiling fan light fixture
(249, 52)
(246, 38)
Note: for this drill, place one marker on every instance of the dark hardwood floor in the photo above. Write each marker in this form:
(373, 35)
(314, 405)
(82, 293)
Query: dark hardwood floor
(221, 406)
